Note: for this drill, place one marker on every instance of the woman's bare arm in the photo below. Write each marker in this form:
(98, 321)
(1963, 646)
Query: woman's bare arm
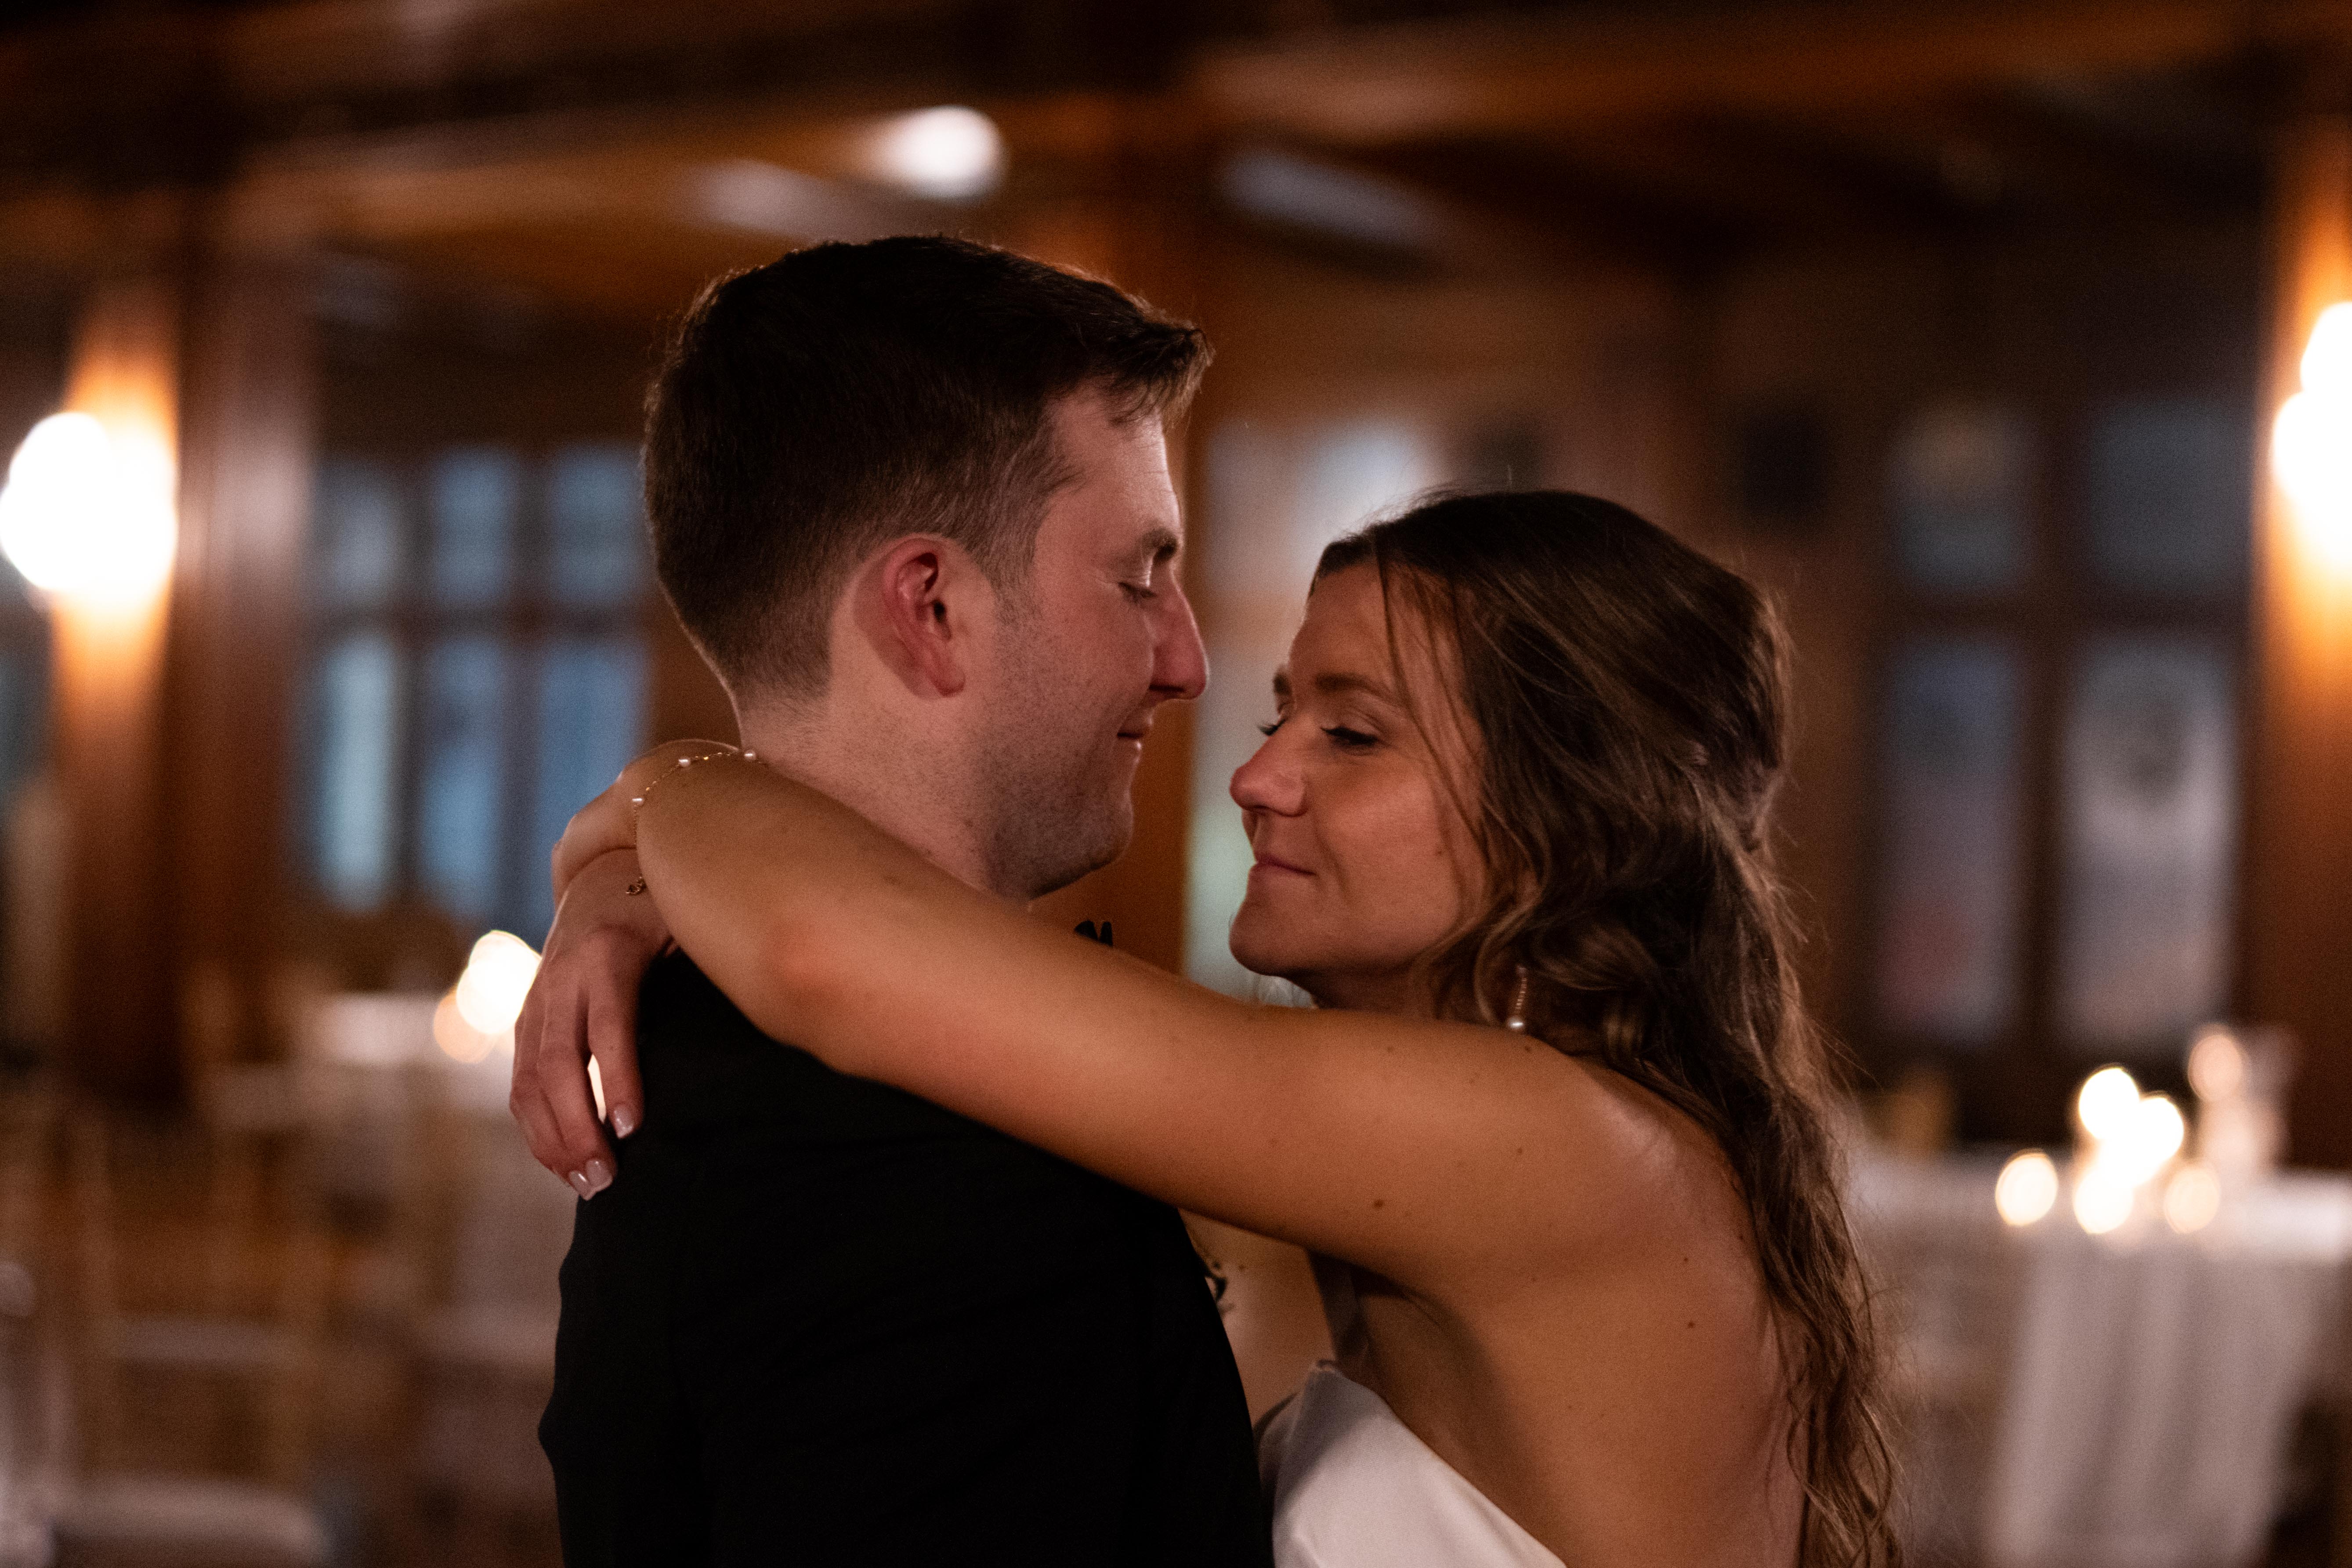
(1431, 1151)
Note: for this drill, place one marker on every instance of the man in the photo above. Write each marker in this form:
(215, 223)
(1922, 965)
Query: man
(911, 500)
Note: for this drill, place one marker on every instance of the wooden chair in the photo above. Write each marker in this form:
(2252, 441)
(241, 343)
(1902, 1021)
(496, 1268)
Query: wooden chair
(204, 1271)
(484, 1230)
(33, 1404)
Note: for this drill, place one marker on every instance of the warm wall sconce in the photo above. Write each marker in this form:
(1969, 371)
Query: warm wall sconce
(2311, 446)
(87, 512)
(951, 154)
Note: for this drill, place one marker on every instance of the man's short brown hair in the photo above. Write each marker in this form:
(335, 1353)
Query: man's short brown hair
(810, 410)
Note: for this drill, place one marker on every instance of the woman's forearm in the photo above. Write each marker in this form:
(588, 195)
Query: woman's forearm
(1424, 1150)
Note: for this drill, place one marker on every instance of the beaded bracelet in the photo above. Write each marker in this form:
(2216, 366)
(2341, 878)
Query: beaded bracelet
(638, 801)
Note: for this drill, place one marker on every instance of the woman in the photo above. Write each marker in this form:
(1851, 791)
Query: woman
(1590, 1289)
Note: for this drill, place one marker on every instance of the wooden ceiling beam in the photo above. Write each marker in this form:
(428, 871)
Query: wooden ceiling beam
(1524, 76)
(2032, 159)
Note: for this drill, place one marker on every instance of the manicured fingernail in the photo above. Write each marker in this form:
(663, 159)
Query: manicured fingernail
(624, 1121)
(579, 1179)
(600, 1176)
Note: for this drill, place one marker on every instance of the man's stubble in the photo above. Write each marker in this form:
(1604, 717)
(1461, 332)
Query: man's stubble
(1054, 802)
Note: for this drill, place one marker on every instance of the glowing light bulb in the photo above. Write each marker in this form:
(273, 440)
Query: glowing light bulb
(2147, 1142)
(2107, 1103)
(949, 155)
(2103, 1199)
(2192, 1197)
(489, 994)
(2217, 1066)
(87, 512)
(2311, 443)
(2028, 1188)
(2327, 358)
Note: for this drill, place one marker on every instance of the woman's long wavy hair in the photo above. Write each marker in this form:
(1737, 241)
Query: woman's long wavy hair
(1626, 702)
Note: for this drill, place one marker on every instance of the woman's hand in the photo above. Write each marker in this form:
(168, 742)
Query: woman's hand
(583, 1006)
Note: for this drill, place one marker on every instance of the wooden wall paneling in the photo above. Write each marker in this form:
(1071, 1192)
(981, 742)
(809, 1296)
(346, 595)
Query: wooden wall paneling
(107, 694)
(2297, 920)
(1490, 75)
(239, 644)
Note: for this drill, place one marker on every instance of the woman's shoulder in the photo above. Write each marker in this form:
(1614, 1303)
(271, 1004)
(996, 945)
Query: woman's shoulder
(1657, 1177)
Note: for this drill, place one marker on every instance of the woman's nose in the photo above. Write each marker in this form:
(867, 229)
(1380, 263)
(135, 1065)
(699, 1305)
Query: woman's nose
(1268, 782)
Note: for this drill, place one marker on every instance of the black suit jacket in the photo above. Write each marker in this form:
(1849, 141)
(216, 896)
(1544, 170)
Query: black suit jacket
(818, 1320)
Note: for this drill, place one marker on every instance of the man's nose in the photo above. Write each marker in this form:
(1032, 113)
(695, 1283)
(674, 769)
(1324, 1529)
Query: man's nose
(1179, 663)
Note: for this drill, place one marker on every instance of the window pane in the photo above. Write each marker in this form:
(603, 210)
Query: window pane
(595, 526)
(356, 705)
(2168, 494)
(357, 554)
(1961, 482)
(24, 710)
(592, 705)
(2149, 821)
(476, 494)
(1948, 954)
(459, 814)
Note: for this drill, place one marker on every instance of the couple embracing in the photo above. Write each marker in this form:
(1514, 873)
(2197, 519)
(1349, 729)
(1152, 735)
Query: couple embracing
(880, 1260)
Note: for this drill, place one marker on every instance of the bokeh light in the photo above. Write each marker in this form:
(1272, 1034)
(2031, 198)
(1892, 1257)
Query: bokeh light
(2151, 1138)
(951, 153)
(2028, 1188)
(2103, 1198)
(2107, 1104)
(499, 973)
(2192, 1197)
(2311, 444)
(2217, 1066)
(88, 513)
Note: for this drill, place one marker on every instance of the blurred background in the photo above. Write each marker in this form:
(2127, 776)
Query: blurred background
(1992, 336)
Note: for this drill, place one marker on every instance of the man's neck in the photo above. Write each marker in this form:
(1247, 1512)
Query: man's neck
(868, 768)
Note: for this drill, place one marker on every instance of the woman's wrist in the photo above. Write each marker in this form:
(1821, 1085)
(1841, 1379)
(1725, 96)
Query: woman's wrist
(663, 763)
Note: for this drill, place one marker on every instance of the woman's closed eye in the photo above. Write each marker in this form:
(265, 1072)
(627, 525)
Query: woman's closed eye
(1340, 735)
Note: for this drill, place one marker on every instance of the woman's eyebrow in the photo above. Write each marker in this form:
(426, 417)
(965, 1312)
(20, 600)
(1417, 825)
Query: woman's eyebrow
(1334, 685)
(1342, 684)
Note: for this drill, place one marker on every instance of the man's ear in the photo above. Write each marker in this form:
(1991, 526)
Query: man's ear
(921, 605)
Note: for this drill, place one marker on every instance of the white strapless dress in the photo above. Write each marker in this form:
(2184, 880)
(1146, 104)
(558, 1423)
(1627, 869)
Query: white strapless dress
(1353, 1488)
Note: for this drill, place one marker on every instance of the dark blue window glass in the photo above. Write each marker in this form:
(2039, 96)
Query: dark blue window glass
(592, 720)
(2168, 499)
(476, 502)
(356, 702)
(1960, 486)
(461, 787)
(595, 526)
(1952, 872)
(358, 534)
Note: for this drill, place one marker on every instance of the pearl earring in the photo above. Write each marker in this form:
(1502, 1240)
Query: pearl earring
(1517, 1020)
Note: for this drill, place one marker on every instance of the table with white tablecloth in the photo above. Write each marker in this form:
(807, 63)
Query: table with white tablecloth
(2102, 1401)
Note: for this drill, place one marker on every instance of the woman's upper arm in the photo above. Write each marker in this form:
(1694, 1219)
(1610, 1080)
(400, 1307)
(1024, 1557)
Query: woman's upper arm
(1418, 1149)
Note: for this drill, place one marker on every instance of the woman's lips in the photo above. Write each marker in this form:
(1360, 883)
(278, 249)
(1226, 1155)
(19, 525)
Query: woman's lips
(1271, 863)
